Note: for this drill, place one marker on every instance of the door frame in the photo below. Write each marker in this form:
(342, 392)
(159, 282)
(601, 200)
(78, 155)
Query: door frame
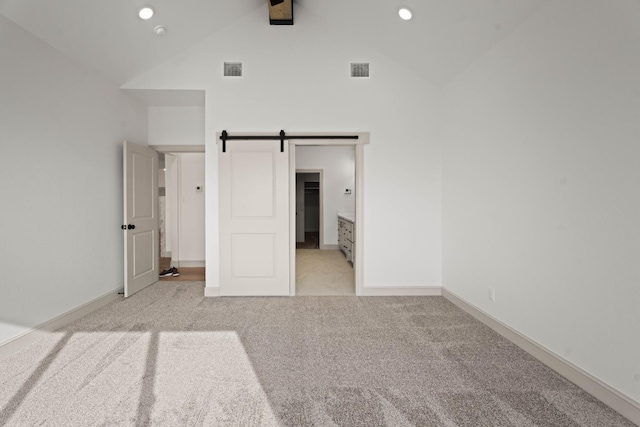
(321, 207)
(363, 138)
(181, 149)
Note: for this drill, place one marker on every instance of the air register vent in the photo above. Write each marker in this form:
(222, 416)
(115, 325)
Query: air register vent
(360, 69)
(233, 69)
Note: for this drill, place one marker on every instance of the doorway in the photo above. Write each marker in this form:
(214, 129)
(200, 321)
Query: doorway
(325, 193)
(257, 243)
(308, 209)
(181, 208)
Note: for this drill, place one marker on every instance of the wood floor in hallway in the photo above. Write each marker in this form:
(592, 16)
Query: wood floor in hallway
(187, 274)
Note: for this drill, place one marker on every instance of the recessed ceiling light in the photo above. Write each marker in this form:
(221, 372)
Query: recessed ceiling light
(405, 13)
(160, 30)
(145, 13)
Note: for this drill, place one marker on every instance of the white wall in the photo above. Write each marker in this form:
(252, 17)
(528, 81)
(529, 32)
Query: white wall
(176, 125)
(61, 132)
(192, 215)
(338, 166)
(542, 185)
(311, 62)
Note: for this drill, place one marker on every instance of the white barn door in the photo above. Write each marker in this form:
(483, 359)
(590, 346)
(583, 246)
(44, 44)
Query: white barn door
(140, 217)
(254, 218)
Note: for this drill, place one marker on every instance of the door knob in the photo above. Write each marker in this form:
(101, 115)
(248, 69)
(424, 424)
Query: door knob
(131, 227)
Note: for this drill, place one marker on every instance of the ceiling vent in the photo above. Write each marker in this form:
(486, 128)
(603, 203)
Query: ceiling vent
(233, 69)
(360, 69)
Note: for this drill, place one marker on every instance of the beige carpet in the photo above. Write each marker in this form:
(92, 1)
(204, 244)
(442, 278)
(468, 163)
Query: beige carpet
(169, 357)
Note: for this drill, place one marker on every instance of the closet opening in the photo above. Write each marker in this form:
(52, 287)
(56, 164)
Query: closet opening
(308, 209)
(325, 207)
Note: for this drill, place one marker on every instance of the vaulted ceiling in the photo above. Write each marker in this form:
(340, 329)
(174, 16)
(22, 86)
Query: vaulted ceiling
(442, 40)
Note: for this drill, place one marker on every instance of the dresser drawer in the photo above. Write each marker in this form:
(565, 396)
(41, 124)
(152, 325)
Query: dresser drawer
(348, 235)
(346, 238)
(347, 248)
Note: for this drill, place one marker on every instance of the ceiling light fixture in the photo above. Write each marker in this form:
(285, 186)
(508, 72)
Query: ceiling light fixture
(160, 30)
(405, 13)
(145, 13)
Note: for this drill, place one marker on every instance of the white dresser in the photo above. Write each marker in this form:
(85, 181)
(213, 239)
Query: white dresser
(347, 235)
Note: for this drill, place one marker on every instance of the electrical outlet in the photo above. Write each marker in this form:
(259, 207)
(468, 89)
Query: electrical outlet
(492, 294)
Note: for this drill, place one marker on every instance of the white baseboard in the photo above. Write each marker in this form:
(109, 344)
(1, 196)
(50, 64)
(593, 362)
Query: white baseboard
(330, 247)
(375, 291)
(210, 291)
(187, 264)
(28, 337)
(617, 400)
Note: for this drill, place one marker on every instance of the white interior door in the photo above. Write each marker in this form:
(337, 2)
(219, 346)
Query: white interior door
(141, 247)
(254, 218)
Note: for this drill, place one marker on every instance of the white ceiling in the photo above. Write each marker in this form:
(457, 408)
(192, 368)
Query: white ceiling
(444, 38)
(108, 36)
